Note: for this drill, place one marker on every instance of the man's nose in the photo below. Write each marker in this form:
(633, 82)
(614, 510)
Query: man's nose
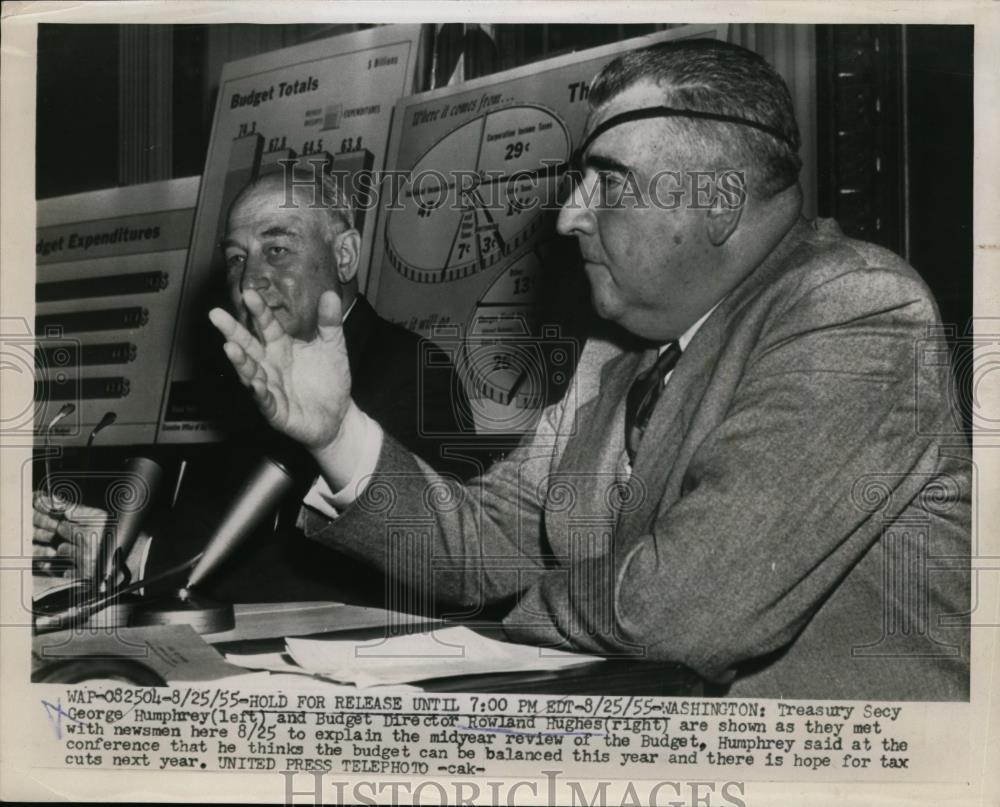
(575, 216)
(256, 274)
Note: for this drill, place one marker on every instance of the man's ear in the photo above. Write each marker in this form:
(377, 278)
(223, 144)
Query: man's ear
(722, 219)
(347, 252)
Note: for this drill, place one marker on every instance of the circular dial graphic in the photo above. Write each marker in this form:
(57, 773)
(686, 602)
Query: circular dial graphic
(510, 358)
(476, 203)
(474, 198)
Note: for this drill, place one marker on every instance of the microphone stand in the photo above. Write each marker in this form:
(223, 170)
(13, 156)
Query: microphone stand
(261, 493)
(105, 421)
(64, 411)
(63, 611)
(269, 482)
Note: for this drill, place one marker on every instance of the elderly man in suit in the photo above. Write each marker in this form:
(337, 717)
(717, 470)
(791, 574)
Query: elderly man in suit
(290, 248)
(289, 243)
(753, 483)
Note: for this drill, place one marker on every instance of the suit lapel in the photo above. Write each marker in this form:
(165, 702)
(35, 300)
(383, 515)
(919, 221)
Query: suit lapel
(687, 410)
(358, 327)
(655, 477)
(589, 464)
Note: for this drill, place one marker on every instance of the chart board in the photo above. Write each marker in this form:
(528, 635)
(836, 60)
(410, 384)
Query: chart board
(109, 270)
(329, 103)
(470, 223)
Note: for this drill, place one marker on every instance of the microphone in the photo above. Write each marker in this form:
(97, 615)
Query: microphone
(137, 492)
(261, 494)
(64, 411)
(180, 480)
(104, 422)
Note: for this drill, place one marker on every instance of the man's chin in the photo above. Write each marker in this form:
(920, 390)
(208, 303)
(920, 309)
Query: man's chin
(605, 308)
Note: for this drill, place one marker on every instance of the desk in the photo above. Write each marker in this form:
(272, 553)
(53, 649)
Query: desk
(609, 677)
(263, 629)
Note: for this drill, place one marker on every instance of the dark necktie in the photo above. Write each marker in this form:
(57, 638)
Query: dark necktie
(643, 395)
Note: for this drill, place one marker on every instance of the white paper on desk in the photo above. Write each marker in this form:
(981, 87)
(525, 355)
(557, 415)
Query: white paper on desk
(277, 620)
(302, 680)
(273, 662)
(175, 652)
(281, 670)
(415, 657)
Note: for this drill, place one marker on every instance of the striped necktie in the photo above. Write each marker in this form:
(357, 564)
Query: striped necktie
(643, 395)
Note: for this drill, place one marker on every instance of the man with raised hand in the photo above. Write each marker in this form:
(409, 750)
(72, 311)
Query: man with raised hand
(290, 241)
(752, 482)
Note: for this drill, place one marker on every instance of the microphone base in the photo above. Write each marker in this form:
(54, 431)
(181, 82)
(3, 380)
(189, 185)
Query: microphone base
(184, 607)
(48, 608)
(63, 597)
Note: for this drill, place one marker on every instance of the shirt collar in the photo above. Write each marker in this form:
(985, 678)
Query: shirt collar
(350, 308)
(688, 335)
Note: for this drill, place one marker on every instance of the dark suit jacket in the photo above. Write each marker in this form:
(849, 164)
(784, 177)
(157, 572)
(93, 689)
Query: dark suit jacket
(797, 522)
(405, 383)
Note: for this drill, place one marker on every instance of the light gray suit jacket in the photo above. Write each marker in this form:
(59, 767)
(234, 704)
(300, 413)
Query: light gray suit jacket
(797, 522)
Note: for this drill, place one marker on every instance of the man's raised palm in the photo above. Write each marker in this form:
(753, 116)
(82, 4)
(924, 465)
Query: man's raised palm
(303, 388)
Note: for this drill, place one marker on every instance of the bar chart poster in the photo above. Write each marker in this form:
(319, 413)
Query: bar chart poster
(328, 103)
(109, 270)
(460, 248)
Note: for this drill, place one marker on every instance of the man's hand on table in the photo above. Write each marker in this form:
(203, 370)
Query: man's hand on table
(68, 537)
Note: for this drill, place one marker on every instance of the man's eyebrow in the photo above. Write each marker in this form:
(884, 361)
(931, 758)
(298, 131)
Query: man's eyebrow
(272, 232)
(226, 243)
(599, 162)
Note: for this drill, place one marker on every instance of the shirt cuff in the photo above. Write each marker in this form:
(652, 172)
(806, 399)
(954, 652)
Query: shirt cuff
(138, 557)
(329, 503)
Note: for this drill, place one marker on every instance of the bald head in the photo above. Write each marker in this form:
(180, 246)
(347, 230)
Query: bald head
(303, 188)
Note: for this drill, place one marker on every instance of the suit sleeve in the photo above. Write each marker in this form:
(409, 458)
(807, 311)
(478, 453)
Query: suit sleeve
(479, 542)
(768, 523)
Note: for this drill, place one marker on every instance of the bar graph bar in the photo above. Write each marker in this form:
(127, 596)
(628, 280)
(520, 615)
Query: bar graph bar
(103, 286)
(109, 319)
(85, 355)
(72, 389)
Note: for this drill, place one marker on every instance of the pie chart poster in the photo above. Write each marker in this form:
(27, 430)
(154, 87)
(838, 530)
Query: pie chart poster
(477, 166)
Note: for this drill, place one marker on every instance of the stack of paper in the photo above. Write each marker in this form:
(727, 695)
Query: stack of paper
(275, 620)
(415, 657)
(174, 652)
